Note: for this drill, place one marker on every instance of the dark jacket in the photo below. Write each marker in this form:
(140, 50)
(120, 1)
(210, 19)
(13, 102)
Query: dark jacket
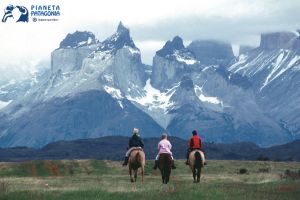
(136, 141)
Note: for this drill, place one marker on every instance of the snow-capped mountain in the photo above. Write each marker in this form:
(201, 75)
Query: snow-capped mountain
(102, 88)
(220, 104)
(274, 71)
(171, 63)
(83, 97)
(15, 81)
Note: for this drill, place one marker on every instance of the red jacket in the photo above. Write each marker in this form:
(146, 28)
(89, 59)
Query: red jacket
(195, 142)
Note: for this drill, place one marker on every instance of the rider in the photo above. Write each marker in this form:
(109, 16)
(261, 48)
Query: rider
(164, 146)
(134, 142)
(194, 143)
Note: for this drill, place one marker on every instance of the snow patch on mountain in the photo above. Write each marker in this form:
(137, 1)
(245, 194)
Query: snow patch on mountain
(241, 60)
(294, 62)
(184, 59)
(203, 98)
(83, 43)
(276, 67)
(133, 50)
(4, 103)
(154, 98)
(115, 93)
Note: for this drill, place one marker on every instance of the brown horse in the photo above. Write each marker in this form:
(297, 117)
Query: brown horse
(164, 165)
(136, 160)
(196, 162)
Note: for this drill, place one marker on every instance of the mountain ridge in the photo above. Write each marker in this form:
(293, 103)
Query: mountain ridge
(114, 148)
(230, 102)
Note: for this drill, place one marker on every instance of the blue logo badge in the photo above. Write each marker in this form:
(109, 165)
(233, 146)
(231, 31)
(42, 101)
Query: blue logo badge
(15, 12)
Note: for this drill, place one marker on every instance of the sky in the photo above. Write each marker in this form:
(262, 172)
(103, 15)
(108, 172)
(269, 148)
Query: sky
(151, 24)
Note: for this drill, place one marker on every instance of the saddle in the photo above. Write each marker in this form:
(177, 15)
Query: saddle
(135, 148)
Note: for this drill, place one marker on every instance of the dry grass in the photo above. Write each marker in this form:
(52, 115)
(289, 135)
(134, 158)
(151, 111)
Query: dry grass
(92, 179)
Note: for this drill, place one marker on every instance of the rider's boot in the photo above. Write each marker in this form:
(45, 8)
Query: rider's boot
(187, 162)
(125, 161)
(155, 164)
(173, 165)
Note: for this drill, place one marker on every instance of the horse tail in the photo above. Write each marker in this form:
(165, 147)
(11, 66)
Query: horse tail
(138, 157)
(198, 160)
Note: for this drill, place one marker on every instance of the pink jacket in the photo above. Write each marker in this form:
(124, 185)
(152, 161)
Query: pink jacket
(164, 146)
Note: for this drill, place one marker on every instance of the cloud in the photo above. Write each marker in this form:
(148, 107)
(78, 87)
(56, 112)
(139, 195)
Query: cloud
(151, 23)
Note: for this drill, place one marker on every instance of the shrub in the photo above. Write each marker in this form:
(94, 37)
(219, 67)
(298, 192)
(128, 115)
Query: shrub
(294, 175)
(69, 168)
(262, 158)
(243, 171)
(3, 188)
(264, 170)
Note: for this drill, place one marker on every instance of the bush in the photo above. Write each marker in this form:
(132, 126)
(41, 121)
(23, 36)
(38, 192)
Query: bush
(264, 170)
(3, 188)
(262, 158)
(243, 171)
(294, 175)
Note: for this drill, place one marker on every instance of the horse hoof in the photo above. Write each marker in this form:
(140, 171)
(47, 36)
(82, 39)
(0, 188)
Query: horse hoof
(131, 180)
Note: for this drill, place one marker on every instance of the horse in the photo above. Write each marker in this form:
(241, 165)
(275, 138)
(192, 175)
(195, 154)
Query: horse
(164, 165)
(196, 162)
(136, 160)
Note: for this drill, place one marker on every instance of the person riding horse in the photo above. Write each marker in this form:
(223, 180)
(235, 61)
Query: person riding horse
(194, 143)
(134, 143)
(164, 146)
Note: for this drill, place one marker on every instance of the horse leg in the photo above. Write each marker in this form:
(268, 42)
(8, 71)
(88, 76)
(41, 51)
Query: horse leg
(198, 175)
(162, 176)
(142, 173)
(194, 175)
(130, 173)
(135, 175)
(167, 178)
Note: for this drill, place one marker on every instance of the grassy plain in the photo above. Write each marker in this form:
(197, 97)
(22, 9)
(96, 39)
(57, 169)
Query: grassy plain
(97, 179)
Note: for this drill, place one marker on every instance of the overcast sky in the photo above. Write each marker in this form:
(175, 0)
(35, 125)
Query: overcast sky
(151, 23)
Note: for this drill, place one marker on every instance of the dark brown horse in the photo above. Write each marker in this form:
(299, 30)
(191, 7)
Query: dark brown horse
(164, 165)
(136, 160)
(196, 162)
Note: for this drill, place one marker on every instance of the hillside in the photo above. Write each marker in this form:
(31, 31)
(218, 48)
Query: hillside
(114, 147)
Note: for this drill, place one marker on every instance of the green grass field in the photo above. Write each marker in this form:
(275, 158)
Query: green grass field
(93, 179)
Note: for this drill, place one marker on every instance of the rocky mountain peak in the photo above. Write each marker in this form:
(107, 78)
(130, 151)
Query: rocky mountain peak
(122, 28)
(211, 52)
(171, 46)
(78, 39)
(277, 40)
(187, 83)
(185, 94)
(118, 40)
